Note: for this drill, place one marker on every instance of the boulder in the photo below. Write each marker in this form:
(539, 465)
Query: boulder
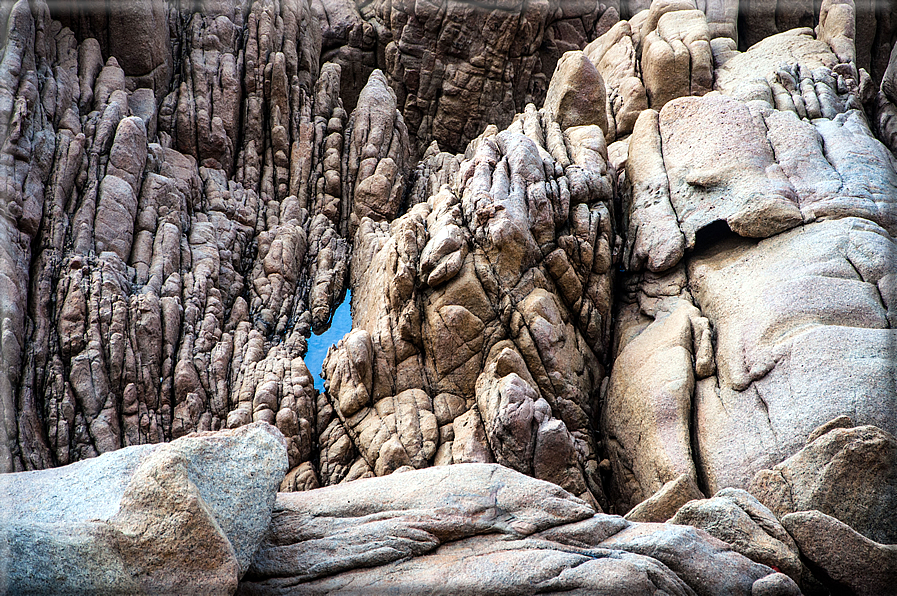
(847, 473)
(576, 95)
(184, 517)
(849, 563)
(664, 504)
(484, 529)
(737, 518)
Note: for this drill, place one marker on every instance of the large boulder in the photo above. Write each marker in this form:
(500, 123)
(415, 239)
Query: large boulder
(484, 529)
(180, 518)
(576, 94)
(847, 473)
(736, 517)
(849, 562)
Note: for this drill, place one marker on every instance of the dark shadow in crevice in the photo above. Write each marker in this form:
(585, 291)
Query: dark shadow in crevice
(713, 234)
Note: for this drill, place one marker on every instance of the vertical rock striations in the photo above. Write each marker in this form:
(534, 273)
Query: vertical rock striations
(674, 279)
(654, 277)
(162, 210)
(489, 343)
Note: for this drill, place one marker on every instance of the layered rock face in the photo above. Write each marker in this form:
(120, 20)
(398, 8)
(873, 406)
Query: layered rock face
(643, 251)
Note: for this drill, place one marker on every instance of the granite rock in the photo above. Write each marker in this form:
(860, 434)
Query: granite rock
(174, 518)
(850, 563)
(847, 473)
(482, 529)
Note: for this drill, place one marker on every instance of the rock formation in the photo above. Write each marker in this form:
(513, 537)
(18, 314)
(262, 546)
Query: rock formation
(641, 250)
(178, 518)
(484, 529)
(737, 201)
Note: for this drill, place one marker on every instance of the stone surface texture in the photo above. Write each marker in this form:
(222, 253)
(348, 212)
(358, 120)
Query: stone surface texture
(483, 529)
(183, 517)
(850, 562)
(847, 473)
(642, 250)
(733, 204)
(667, 502)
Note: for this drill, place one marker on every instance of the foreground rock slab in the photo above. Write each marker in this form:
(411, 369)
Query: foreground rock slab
(852, 564)
(737, 518)
(180, 518)
(484, 529)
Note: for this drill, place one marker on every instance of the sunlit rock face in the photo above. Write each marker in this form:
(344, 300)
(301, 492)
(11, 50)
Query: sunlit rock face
(644, 251)
(759, 294)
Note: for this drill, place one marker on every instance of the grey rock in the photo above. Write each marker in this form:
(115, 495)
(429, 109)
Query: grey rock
(482, 529)
(850, 562)
(737, 518)
(181, 517)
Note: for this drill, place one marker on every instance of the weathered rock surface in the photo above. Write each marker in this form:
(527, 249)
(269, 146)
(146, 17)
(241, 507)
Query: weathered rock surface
(458, 66)
(737, 518)
(142, 322)
(849, 562)
(662, 282)
(665, 503)
(482, 529)
(882, 106)
(185, 517)
(488, 344)
(846, 473)
(715, 373)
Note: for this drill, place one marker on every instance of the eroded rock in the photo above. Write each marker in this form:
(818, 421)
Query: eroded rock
(849, 561)
(846, 473)
(180, 517)
(464, 528)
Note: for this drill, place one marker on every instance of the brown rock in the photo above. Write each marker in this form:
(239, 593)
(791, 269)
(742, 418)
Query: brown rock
(802, 114)
(737, 518)
(676, 56)
(376, 155)
(664, 504)
(178, 218)
(511, 385)
(649, 404)
(752, 203)
(850, 562)
(576, 95)
(848, 474)
(499, 58)
(412, 530)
